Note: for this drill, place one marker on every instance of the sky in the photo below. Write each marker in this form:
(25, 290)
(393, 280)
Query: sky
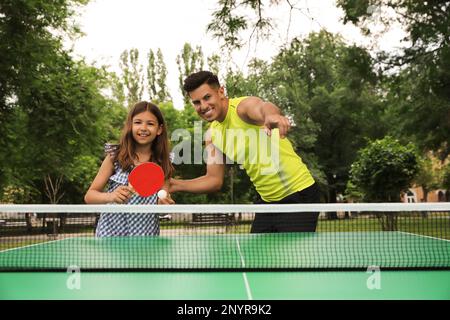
(112, 26)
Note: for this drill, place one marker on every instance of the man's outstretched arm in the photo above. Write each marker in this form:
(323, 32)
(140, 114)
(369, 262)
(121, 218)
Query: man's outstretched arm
(256, 111)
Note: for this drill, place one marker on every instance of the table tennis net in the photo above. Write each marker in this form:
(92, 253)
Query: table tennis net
(224, 237)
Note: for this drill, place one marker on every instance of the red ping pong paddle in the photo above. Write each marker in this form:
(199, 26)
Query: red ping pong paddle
(147, 178)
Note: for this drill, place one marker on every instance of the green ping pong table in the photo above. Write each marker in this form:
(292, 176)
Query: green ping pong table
(222, 267)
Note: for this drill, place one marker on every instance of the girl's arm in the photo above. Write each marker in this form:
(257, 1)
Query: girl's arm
(95, 193)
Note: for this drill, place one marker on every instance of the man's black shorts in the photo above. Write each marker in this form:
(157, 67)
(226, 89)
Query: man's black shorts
(291, 221)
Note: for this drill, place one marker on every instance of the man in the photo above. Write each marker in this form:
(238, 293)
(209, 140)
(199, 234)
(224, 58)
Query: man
(282, 179)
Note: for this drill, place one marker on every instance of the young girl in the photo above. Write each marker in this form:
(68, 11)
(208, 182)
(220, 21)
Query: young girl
(144, 139)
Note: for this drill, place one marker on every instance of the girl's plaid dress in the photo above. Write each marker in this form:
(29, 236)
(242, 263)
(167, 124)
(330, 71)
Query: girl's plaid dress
(126, 224)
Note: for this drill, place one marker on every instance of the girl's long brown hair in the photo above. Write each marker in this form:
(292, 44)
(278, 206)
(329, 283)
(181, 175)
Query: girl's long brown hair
(159, 147)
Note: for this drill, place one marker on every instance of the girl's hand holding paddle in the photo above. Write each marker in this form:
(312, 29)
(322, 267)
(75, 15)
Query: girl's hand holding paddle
(121, 194)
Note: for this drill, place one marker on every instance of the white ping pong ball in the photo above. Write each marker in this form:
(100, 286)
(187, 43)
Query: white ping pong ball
(162, 194)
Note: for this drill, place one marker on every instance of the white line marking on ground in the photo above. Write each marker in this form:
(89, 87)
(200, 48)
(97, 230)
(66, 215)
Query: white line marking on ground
(421, 235)
(33, 245)
(244, 275)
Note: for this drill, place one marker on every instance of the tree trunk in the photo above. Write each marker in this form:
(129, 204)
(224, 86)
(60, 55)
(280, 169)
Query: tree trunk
(332, 199)
(388, 221)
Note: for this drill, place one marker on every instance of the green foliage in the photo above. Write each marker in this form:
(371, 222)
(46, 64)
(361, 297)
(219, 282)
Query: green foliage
(214, 63)
(189, 61)
(133, 79)
(427, 177)
(26, 45)
(384, 169)
(419, 98)
(161, 70)
(67, 113)
(117, 88)
(354, 9)
(420, 113)
(446, 177)
(353, 193)
(132, 75)
(82, 172)
(54, 117)
(232, 17)
(156, 77)
(226, 24)
(151, 75)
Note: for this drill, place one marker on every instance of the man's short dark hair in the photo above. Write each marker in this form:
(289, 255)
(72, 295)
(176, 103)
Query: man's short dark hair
(196, 79)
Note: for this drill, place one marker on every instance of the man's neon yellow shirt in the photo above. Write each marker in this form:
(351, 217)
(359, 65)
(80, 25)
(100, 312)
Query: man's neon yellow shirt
(271, 163)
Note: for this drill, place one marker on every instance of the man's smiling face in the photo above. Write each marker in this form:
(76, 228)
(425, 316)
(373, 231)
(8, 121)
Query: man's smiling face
(209, 102)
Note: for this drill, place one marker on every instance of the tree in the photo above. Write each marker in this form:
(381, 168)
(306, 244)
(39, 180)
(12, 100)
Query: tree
(132, 75)
(190, 60)
(55, 118)
(214, 63)
(156, 77)
(26, 44)
(446, 177)
(117, 88)
(427, 177)
(340, 87)
(419, 114)
(151, 75)
(234, 17)
(59, 118)
(421, 71)
(161, 70)
(383, 170)
(65, 112)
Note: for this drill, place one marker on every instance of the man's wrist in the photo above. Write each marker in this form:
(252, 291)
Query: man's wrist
(174, 185)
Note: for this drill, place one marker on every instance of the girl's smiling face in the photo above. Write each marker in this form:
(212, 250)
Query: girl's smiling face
(145, 128)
